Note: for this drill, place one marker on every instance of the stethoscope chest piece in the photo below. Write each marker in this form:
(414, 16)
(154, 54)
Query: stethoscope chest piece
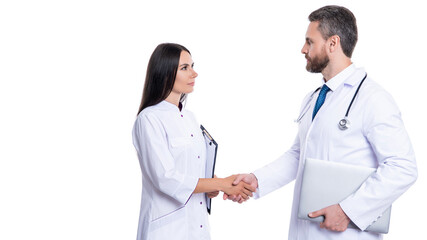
(344, 124)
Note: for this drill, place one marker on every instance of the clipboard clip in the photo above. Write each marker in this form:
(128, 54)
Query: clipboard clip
(206, 133)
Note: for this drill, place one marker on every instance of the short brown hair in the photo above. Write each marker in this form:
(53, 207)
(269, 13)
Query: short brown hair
(337, 20)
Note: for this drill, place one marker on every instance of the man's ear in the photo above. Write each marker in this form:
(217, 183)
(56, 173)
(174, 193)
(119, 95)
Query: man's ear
(334, 43)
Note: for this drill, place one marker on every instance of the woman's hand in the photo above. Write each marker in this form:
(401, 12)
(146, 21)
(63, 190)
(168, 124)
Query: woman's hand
(213, 194)
(243, 189)
(211, 186)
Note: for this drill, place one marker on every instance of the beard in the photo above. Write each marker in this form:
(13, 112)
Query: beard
(317, 64)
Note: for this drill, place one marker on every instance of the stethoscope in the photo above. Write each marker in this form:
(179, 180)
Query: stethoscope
(344, 123)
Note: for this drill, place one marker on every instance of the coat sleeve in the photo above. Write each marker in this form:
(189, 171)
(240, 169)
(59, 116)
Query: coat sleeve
(157, 162)
(397, 171)
(279, 172)
(284, 169)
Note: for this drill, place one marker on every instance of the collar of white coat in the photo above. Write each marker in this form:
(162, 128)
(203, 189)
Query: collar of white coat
(165, 105)
(343, 76)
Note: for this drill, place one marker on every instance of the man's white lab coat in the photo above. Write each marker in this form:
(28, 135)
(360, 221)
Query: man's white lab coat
(376, 138)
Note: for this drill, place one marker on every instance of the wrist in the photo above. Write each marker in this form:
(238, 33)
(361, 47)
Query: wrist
(256, 179)
(254, 176)
(220, 184)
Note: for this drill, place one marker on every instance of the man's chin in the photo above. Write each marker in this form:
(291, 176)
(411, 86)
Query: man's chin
(310, 69)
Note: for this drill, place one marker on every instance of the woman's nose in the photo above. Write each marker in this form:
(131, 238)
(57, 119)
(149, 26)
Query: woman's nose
(194, 75)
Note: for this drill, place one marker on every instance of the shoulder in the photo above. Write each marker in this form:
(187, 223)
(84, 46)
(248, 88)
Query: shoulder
(371, 86)
(370, 89)
(376, 95)
(159, 111)
(150, 118)
(148, 113)
(379, 107)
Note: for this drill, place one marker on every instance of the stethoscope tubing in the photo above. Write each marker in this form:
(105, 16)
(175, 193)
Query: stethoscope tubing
(355, 94)
(343, 122)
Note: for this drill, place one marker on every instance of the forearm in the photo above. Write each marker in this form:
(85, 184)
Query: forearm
(209, 185)
(277, 174)
(388, 183)
(393, 153)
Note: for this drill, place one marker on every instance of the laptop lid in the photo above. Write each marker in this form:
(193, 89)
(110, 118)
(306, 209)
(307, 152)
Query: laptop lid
(326, 183)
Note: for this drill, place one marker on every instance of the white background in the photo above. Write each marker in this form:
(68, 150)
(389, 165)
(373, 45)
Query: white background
(72, 74)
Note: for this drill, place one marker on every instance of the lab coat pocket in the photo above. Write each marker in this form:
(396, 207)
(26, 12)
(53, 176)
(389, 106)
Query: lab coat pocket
(173, 221)
(178, 148)
(177, 142)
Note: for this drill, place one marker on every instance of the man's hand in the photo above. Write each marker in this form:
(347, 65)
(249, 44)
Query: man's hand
(335, 218)
(247, 178)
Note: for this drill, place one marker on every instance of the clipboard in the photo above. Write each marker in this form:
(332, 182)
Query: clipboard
(211, 151)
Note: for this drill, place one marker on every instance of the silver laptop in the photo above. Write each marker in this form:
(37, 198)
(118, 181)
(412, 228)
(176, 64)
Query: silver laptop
(326, 183)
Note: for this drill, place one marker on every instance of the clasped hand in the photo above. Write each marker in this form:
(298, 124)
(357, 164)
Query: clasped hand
(239, 188)
(230, 186)
(248, 179)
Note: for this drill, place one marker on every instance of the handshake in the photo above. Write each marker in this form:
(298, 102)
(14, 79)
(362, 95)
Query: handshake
(237, 188)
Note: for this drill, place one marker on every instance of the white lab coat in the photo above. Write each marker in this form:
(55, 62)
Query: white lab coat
(376, 138)
(172, 155)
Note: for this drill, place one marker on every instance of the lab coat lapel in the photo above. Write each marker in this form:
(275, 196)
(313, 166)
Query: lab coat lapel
(307, 125)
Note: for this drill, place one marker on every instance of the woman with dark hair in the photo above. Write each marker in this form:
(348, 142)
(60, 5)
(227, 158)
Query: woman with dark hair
(172, 153)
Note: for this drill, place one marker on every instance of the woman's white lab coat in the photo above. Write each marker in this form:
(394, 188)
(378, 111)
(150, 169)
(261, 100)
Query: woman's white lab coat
(376, 138)
(172, 156)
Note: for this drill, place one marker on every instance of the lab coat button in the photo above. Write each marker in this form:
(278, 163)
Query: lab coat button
(191, 134)
(198, 156)
(201, 203)
(182, 115)
(201, 226)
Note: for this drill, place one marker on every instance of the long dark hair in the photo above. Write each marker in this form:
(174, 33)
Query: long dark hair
(161, 74)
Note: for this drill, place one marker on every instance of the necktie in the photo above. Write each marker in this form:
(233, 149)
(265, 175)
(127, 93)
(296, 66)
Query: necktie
(320, 99)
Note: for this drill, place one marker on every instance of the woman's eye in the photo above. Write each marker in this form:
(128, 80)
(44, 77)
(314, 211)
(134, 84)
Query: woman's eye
(184, 68)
